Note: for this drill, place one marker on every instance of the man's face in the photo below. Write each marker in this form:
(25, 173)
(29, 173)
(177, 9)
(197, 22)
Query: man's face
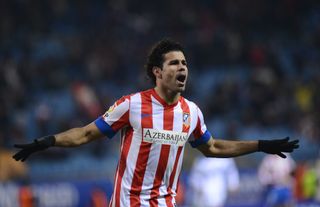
(174, 72)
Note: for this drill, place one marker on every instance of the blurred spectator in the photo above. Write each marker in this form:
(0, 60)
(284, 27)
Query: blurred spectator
(317, 168)
(9, 169)
(307, 181)
(276, 175)
(310, 182)
(98, 198)
(211, 180)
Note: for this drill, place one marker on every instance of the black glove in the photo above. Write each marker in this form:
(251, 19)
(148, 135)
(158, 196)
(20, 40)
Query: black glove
(278, 146)
(37, 145)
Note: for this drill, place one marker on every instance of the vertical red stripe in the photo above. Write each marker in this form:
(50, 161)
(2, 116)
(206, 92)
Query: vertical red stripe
(163, 159)
(173, 173)
(122, 165)
(186, 110)
(185, 128)
(197, 131)
(146, 122)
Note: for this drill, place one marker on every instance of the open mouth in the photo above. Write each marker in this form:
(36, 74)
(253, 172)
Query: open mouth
(181, 78)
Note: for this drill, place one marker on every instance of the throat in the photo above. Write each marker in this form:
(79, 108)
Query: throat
(170, 97)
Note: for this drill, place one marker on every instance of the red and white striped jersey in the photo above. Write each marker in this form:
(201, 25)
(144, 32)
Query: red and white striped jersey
(153, 136)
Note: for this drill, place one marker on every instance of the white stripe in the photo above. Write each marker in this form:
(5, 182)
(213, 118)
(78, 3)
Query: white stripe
(114, 191)
(162, 202)
(157, 118)
(194, 118)
(194, 115)
(116, 113)
(144, 203)
(176, 177)
(177, 127)
(134, 117)
(177, 118)
(202, 124)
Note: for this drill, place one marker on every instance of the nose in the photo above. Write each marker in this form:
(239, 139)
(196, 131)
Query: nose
(182, 67)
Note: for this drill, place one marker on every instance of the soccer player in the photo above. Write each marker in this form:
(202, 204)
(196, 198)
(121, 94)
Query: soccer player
(155, 125)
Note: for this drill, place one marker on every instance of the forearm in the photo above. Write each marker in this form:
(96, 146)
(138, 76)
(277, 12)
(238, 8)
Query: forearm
(77, 136)
(223, 148)
(71, 138)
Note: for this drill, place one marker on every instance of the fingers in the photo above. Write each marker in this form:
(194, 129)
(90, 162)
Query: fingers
(17, 156)
(284, 140)
(290, 146)
(21, 155)
(24, 158)
(294, 143)
(278, 146)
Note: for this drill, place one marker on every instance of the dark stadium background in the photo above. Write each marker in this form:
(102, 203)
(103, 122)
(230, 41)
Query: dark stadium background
(254, 71)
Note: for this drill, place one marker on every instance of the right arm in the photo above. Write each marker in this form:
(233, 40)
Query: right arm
(70, 138)
(107, 125)
(78, 136)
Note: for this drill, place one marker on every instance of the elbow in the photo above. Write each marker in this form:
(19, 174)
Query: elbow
(215, 154)
(209, 151)
(88, 135)
(83, 138)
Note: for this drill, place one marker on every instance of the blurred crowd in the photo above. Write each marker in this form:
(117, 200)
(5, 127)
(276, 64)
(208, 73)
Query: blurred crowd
(254, 65)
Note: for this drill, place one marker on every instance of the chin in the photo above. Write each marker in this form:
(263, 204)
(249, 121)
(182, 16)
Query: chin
(181, 89)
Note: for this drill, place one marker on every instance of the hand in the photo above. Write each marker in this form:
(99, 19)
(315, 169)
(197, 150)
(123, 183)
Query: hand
(278, 146)
(37, 145)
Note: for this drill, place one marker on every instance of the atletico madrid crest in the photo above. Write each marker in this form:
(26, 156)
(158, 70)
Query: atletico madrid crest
(186, 119)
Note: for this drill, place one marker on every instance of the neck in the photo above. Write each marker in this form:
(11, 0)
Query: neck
(167, 95)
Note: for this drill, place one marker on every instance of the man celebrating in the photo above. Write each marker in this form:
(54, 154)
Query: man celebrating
(155, 125)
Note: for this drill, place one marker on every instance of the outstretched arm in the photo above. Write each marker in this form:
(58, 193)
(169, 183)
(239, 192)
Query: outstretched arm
(223, 148)
(71, 138)
(78, 136)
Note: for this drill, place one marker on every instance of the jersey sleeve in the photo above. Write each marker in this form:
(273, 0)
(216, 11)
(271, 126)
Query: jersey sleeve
(115, 118)
(200, 133)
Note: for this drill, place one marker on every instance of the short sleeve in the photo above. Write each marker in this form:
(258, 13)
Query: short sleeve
(200, 133)
(115, 118)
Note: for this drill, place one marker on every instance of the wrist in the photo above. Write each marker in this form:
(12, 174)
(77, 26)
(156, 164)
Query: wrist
(46, 141)
(262, 144)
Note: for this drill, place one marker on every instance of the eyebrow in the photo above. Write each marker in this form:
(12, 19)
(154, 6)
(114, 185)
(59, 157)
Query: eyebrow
(184, 62)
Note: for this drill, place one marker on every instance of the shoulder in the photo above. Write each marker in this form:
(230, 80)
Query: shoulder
(134, 97)
(191, 104)
(128, 97)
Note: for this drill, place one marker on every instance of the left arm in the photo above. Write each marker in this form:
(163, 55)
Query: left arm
(223, 148)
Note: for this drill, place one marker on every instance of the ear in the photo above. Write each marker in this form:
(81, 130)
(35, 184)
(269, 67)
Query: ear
(157, 72)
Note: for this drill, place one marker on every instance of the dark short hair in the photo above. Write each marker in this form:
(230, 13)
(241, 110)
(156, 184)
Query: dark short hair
(156, 55)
